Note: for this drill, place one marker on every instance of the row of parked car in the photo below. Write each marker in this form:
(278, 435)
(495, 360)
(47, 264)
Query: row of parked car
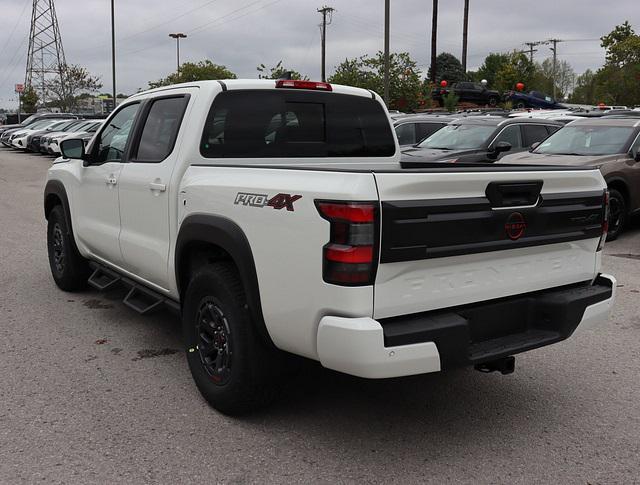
(472, 92)
(610, 141)
(44, 132)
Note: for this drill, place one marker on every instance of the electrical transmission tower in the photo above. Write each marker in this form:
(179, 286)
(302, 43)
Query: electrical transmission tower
(45, 58)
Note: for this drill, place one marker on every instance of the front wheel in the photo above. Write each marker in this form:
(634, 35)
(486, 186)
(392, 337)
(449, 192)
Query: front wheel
(493, 102)
(233, 368)
(69, 269)
(617, 214)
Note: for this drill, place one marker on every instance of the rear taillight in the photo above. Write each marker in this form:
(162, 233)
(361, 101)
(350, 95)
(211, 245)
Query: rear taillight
(350, 258)
(296, 84)
(605, 220)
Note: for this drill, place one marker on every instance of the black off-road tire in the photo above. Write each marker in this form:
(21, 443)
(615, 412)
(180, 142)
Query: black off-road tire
(617, 214)
(69, 269)
(493, 101)
(234, 369)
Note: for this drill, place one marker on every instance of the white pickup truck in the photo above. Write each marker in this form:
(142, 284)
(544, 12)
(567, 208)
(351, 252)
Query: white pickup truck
(276, 218)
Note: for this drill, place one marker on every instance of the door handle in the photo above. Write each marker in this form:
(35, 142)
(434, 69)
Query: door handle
(112, 181)
(157, 186)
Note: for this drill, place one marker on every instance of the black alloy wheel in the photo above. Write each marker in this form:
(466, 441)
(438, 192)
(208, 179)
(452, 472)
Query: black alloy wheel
(214, 338)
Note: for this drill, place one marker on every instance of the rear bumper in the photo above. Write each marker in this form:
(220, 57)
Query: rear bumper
(466, 335)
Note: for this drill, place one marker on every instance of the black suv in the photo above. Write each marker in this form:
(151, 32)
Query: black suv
(479, 139)
(467, 91)
(412, 129)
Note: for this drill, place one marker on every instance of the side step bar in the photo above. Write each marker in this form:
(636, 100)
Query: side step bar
(139, 298)
(103, 278)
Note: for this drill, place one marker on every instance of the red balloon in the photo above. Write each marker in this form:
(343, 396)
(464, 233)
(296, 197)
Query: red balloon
(520, 86)
(443, 83)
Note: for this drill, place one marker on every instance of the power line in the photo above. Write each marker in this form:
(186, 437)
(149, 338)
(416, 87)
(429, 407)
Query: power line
(201, 27)
(149, 29)
(15, 26)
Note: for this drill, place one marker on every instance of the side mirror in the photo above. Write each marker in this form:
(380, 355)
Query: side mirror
(501, 147)
(635, 154)
(72, 148)
(534, 146)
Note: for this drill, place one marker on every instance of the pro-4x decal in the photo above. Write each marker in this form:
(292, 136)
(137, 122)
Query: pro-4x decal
(279, 201)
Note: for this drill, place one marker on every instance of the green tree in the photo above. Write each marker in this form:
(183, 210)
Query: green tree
(565, 78)
(448, 68)
(195, 71)
(621, 45)
(618, 81)
(368, 72)
(518, 69)
(277, 71)
(77, 80)
(29, 100)
(490, 67)
(586, 88)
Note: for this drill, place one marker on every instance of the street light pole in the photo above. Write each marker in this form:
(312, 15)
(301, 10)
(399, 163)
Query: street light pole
(178, 36)
(113, 51)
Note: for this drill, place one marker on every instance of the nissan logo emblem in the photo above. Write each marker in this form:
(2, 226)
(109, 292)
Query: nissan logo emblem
(515, 226)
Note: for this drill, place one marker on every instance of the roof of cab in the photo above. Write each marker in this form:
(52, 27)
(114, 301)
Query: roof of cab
(233, 84)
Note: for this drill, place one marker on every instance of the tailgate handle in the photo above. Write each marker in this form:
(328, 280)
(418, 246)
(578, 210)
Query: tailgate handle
(514, 194)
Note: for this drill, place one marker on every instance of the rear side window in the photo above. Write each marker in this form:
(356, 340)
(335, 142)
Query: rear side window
(290, 123)
(511, 134)
(533, 134)
(160, 129)
(406, 134)
(424, 130)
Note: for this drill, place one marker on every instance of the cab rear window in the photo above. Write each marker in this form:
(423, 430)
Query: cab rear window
(289, 123)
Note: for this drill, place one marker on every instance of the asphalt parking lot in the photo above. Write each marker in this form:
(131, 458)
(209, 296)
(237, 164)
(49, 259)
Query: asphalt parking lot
(92, 393)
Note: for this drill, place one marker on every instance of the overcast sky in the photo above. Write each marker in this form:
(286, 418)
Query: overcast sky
(241, 34)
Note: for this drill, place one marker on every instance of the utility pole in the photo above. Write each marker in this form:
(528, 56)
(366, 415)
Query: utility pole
(554, 49)
(113, 52)
(178, 36)
(434, 37)
(326, 12)
(386, 51)
(465, 32)
(531, 49)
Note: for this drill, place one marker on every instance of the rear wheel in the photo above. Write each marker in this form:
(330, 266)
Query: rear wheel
(521, 104)
(69, 269)
(617, 214)
(493, 101)
(233, 368)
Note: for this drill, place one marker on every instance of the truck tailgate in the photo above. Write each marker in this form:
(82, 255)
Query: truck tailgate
(453, 238)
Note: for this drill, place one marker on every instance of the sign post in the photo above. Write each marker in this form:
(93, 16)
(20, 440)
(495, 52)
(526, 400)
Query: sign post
(19, 91)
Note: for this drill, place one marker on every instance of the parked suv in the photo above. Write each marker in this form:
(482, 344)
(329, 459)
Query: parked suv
(412, 129)
(480, 139)
(610, 144)
(274, 217)
(468, 91)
